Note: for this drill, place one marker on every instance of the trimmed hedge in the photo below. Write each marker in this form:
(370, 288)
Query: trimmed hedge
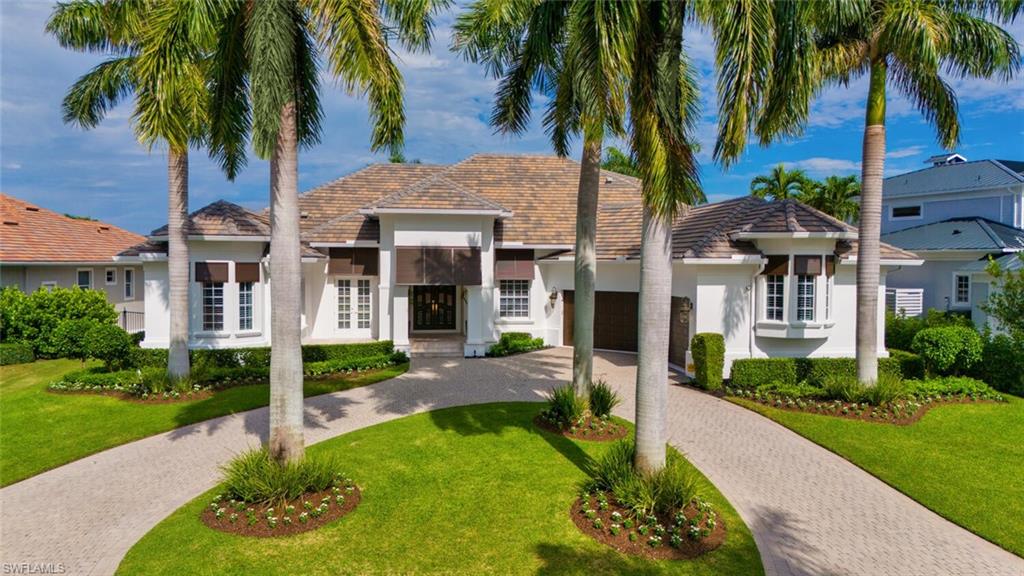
(708, 351)
(33, 318)
(515, 343)
(1003, 364)
(754, 372)
(16, 353)
(260, 357)
(948, 349)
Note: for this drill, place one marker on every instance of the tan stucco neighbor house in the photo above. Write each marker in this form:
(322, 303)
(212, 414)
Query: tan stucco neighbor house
(448, 257)
(40, 248)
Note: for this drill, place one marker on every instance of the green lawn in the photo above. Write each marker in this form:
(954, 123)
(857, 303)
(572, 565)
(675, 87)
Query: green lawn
(965, 462)
(471, 490)
(40, 430)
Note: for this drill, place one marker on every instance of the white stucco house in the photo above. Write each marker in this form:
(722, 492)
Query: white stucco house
(447, 257)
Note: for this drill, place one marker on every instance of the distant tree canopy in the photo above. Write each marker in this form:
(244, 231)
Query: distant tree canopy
(836, 195)
(616, 160)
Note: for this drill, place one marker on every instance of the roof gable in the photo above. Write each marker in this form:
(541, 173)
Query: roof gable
(223, 218)
(33, 234)
(961, 176)
(959, 234)
(436, 192)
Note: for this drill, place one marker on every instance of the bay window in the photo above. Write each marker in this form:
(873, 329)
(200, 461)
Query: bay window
(805, 298)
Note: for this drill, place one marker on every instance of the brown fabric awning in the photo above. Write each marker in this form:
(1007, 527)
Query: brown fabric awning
(247, 272)
(211, 272)
(354, 261)
(440, 266)
(513, 265)
(777, 266)
(807, 265)
(830, 266)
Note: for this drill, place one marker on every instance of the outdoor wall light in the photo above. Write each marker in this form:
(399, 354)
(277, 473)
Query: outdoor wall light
(553, 296)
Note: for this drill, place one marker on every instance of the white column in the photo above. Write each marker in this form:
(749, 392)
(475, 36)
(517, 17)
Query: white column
(384, 312)
(400, 318)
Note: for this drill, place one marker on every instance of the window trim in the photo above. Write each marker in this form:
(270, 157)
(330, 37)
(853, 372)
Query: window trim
(202, 308)
(356, 327)
(251, 306)
(955, 301)
(79, 271)
(811, 281)
(337, 304)
(515, 296)
(106, 277)
(893, 207)
(128, 284)
(768, 295)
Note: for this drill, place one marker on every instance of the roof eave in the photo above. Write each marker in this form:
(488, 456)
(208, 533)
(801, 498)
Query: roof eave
(217, 238)
(500, 214)
(845, 235)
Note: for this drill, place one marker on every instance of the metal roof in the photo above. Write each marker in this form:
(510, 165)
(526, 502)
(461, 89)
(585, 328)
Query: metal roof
(959, 234)
(961, 176)
(1007, 262)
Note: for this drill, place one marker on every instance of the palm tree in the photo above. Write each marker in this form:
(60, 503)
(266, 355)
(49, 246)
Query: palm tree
(836, 196)
(265, 83)
(616, 160)
(780, 184)
(115, 28)
(551, 46)
(909, 46)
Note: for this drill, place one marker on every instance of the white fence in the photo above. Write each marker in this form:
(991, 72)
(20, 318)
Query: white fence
(905, 301)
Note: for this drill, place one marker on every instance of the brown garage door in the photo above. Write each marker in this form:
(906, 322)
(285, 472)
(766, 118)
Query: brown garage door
(615, 320)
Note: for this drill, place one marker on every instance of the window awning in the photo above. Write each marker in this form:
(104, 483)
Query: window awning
(440, 266)
(211, 272)
(354, 261)
(513, 264)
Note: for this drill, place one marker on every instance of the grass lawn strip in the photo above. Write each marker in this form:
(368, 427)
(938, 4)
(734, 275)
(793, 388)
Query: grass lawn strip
(962, 461)
(43, 430)
(469, 490)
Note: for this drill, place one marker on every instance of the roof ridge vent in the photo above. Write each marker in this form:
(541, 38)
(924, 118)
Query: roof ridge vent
(945, 159)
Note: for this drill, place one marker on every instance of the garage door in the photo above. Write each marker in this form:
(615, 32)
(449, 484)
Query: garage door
(615, 320)
(615, 324)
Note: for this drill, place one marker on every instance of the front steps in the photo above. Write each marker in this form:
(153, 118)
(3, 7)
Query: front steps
(436, 347)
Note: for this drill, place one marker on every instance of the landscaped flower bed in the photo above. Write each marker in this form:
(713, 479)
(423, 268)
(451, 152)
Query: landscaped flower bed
(587, 428)
(287, 517)
(909, 401)
(582, 417)
(688, 533)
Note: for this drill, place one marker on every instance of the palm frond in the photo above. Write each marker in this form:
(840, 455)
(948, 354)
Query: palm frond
(412, 21)
(932, 96)
(272, 45)
(230, 112)
(979, 48)
(98, 25)
(95, 93)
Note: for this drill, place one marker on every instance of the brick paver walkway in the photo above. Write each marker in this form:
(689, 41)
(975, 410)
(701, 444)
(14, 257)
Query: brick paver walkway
(811, 512)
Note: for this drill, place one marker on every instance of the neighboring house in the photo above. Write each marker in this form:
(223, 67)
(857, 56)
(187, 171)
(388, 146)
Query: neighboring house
(40, 248)
(452, 256)
(953, 215)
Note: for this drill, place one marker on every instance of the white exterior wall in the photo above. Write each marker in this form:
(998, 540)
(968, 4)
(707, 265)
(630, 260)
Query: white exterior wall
(157, 289)
(29, 278)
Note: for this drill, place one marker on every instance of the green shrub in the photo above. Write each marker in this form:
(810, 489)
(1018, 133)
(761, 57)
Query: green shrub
(952, 385)
(906, 364)
(664, 492)
(1003, 364)
(110, 344)
(34, 318)
(253, 477)
(842, 387)
(602, 399)
(948, 349)
(887, 389)
(348, 365)
(260, 357)
(515, 343)
(794, 391)
(148, 357)
(565, 408)
(754, 372)
(322, 352)
(708, 351)
(70, 339)
(16, 353)
(900, 330)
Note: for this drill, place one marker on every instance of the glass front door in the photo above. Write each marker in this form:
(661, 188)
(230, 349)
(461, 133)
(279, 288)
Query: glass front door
(433, 308)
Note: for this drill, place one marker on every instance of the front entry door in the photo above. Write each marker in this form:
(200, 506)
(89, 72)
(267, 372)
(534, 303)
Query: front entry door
(433, 308)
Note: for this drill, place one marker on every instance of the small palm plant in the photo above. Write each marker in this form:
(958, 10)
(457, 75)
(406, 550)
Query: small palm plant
(602, 399)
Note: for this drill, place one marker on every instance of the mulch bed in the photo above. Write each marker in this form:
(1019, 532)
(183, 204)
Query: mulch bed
(262, 529)
(687, 548)
(592, 429)
(867, 413)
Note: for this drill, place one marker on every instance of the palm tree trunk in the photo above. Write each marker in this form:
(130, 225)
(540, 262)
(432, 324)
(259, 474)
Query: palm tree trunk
(872, 169)
(586, 266)
(652, 361)
(286, 436)
(177, 263)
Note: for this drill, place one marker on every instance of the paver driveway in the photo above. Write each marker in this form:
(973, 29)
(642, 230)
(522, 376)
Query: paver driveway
(811, 512)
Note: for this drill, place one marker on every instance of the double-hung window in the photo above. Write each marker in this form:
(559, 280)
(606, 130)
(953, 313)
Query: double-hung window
(129, 284)
(805, 298)
(213, 306)
(962, 290)
(245, 305)
(344, 286)
(514, 298)
(84, 279)
(111, 276)
(775, 285)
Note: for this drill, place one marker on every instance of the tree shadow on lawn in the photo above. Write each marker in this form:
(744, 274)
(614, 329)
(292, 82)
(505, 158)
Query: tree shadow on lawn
(560, 559)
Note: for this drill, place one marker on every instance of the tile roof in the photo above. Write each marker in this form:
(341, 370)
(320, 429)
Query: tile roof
(223, 218)
(972, 233)
(974, 175)
(33, 234)
(436, 192)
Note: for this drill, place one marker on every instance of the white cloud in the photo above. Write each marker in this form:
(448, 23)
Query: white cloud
(905, 152)
(819, 166)
(12, 166)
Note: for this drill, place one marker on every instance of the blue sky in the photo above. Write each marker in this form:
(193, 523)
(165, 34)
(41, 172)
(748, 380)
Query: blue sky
(104, 173)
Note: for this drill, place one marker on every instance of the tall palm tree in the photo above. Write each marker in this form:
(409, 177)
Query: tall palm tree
(836, 196)
(780, 184)
(550, 46)
(909, 46)
(265, 83)
(616, 160)
(115, 28)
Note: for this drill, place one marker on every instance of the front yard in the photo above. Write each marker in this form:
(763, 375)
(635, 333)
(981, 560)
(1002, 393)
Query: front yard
(42, 430)
(963, 461)
(469, 490)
